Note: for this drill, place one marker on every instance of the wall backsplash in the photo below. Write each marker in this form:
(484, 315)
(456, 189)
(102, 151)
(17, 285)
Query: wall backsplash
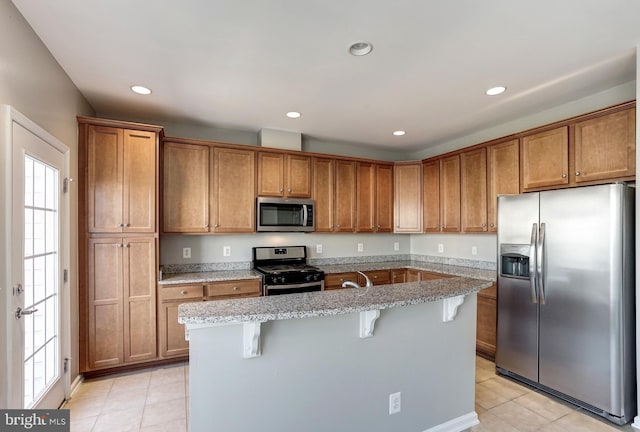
(207, 251)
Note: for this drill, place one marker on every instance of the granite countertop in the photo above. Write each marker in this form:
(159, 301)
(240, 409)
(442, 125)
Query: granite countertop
(226, 275)
(324, 303)
(212, 276)
(469, 272)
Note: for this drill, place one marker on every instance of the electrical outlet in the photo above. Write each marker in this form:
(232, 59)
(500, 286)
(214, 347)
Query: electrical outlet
(440, 248)
(186, 253)
(395, 403)
(226, 251)
(474, 250)
(318, 248)
(396, 246)
(360, 247)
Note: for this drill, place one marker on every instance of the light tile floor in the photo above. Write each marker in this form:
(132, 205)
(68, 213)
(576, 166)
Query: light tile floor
(157, 400)
(504, 405)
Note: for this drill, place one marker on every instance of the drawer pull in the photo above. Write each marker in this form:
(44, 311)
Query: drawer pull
(236, 288)
(183, 292)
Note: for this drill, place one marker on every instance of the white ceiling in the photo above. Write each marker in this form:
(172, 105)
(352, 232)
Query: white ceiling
(241, 64)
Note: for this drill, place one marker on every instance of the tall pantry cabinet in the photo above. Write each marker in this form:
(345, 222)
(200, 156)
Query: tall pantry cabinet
(118, 242)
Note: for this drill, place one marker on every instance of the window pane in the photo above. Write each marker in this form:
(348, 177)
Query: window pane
(38, 184)
(50, 231)
(51, 188)
(38, 279)
(28, 335)
(28, 181)
(28, 232)
(51, 315)
(38, 373)
(51, 281)
(38, 232)
(38, 327)
(52, 349)
(28, 383)
(28, 282)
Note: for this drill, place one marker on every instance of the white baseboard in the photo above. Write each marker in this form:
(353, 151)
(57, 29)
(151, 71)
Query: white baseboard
(75, 384)
(457, 424)
(636, 423)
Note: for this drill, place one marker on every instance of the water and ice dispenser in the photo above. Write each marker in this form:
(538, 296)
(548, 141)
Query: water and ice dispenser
(514, 260)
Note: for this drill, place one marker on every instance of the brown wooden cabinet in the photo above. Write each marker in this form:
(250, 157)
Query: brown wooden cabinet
(398, 276)
(335, 280)
(605, 147)
(121, 301)
(427, 275)
(374, 197)
(503, 176)
(408, 197)
(323, 193)
(345, 196)
(233, 200)
(377, 277)
(412, 275)
(441, 200)
(121, 179)
(544, 159)
(171, 334)
(473, 190)
(284, 175)
(233, 289)
(186, 188)
(486, 322)
(208, 188)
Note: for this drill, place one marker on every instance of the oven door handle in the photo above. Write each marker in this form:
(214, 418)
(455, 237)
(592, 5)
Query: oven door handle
(290, 286)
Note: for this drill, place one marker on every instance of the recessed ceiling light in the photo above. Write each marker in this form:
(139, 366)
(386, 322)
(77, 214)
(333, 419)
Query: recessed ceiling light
(293, 114)
(140, 90)
(360, 48)
(495, 90)
(399, 132)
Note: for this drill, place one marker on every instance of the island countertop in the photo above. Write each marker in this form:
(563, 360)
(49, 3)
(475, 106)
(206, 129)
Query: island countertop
(324, 303)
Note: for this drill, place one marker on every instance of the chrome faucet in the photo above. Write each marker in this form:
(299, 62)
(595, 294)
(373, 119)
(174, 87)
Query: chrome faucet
(351, 284)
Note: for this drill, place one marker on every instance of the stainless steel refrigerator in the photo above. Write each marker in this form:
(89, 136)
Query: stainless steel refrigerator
(566, 314)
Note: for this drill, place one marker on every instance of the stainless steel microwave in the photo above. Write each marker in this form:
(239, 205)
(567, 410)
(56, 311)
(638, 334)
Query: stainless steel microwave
(282, 214)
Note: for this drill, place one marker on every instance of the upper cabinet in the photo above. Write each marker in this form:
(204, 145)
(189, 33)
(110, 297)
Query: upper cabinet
(605, 147)
(324, 193)
(473, 190)
(345, 196)
(374, 197)
(186, 188)
(121, 179)
(408, 197)
(284, 175)
(234, 178)
(441, 200)
(208, 188)
(544, 159)
(503, 176)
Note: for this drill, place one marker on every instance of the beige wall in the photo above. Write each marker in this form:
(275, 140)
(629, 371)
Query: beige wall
(33, 83)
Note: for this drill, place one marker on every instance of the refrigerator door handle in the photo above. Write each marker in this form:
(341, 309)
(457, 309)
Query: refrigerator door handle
(532, 263)
(540, 262)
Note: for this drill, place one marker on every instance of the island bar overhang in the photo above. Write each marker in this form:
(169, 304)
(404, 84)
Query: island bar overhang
(316, 373)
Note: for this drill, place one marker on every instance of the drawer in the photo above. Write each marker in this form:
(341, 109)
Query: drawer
(378, 277)
(251, 287)
(173, 293)
(335, 280)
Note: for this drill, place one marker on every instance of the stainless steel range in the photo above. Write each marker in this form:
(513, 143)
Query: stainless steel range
(285, 270)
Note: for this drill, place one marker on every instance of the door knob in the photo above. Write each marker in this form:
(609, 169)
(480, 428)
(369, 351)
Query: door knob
(20, 312)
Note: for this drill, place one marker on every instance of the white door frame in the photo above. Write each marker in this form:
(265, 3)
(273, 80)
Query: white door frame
(9, 116)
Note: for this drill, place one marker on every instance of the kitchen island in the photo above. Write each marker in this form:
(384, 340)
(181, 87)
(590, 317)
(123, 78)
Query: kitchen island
(331, 360)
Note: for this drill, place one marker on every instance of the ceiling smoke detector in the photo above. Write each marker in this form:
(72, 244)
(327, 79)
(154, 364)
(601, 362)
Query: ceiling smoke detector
(360, 48)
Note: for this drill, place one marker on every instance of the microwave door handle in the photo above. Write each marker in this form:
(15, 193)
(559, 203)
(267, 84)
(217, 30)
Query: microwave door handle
(532, 263)
(305, 215)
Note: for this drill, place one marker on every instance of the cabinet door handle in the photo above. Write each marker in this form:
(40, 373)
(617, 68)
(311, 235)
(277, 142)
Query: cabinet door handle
(216, 226)
(337, 226)
(119, 245)
(577, 173)
(121, 225)
(289, 190)
(564, 175)
(236, 288)
(126, 225)
(127, 245)
(281, 190)
(206, 226)
(183, 292)
(492, 225)
(484, 225)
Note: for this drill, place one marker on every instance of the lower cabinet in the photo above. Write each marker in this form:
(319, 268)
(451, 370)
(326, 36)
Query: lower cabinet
(486, 324)
(377, 277)
(121, 302)
(334, 280)
(398, 276)
(171, 333)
